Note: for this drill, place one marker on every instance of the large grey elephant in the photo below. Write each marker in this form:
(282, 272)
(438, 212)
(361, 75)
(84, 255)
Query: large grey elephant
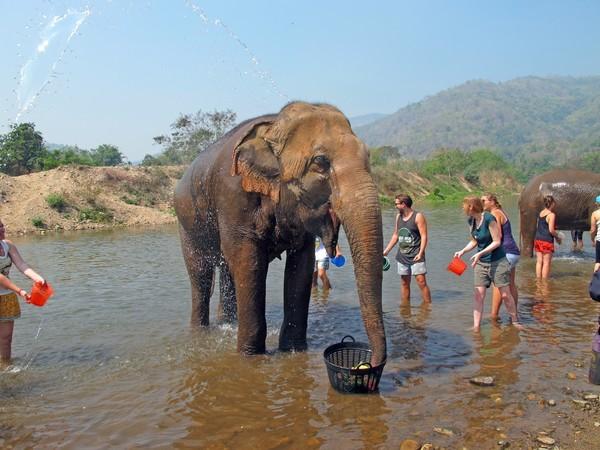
(574, 191)
(271, 185)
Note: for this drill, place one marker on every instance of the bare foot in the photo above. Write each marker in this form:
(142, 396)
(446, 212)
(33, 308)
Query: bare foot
(518, 326)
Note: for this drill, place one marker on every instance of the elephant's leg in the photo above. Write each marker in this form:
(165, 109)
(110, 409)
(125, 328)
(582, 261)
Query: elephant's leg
(201, 272)
(227, 301)
(296, 296)
(528, 224)
(249, 275)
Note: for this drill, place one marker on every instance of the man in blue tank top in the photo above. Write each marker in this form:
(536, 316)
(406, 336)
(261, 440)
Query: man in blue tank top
(410, 233)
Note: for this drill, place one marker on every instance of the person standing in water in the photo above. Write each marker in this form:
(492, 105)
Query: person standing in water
(493, 206)
(411, 233)
(544, 238)
(595, 232)
(577, 237)
(9, 304)
(490, 263)
(322, 264)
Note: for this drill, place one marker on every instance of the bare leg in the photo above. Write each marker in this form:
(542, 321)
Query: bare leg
(496, 302)
(425, 292)
(513, 286)
(324, 278)
(479, 296)
(315, 278)
(538, 264)
(405, 288)
(546, 264)
(509, 303)
(6, 334)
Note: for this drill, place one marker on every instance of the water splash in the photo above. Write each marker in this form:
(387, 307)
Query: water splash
(48, 53)
(262, 74)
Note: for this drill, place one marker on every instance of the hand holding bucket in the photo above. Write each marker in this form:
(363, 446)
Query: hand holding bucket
(386, 264)
(457, 266)
(338, 261)
(40, 293)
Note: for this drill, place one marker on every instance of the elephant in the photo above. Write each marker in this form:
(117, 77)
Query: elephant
(574, 192)
(272, 184)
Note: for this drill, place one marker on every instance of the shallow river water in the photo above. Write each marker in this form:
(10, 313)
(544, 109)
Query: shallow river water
(110, 361)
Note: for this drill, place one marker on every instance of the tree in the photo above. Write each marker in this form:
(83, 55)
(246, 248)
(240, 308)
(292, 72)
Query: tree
(106, 155)
(191, 134)
(22, 149)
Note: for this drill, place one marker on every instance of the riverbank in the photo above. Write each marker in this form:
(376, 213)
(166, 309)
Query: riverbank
(83, 197)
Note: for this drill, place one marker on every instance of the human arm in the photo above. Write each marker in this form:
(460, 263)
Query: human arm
(470, 246)
(593, 227)
(338, 252)
(499, 219)
(551, 218)
(495, 233)
(422, 227)
(18, 261)
(6, 283)
(393, 239)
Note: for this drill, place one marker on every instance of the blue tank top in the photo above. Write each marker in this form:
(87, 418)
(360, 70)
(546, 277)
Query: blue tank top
(508, 242)
(542, 232)
(484, 238)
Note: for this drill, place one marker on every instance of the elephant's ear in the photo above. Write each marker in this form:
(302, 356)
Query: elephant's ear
(255, 162)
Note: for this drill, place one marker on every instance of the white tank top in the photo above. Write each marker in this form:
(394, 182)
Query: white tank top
(5, 263)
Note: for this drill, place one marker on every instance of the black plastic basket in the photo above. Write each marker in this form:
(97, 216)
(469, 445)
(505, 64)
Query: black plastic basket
(342, 361)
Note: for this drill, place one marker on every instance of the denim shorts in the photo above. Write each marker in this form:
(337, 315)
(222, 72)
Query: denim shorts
(497, 272)
(322, 263)
(513, 260)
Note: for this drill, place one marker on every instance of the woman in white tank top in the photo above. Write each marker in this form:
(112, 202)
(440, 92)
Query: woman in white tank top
(9, 304)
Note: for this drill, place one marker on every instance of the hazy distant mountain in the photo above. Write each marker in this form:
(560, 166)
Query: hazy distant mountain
(528, 113)
(365, 119)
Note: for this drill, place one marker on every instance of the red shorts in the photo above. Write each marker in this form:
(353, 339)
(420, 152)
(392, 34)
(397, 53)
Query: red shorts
(543, 246)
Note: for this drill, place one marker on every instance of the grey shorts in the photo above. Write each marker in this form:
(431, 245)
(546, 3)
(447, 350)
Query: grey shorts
(497, 272)
(322, 264)
(418, 268)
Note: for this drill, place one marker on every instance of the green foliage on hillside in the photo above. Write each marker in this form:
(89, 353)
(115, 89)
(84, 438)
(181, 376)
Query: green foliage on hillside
(22, 150)
(534, 123)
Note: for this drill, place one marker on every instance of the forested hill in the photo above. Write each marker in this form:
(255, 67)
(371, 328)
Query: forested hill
(547, 116)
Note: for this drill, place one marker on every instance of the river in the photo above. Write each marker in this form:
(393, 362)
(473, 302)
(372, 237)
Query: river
(110, 361)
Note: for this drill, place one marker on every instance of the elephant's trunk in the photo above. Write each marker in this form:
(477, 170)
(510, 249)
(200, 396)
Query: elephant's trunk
(355, 200)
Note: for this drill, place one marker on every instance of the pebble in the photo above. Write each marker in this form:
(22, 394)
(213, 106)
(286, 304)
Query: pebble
(482, 381)
(597, 424)
(579, 402)
(590, 397)
(571, 376)
(444, 431)
(578, 364)
(503, 444)
(409, 444)
(546, 440)
(552, 402)
(530, 396)
(427, 446)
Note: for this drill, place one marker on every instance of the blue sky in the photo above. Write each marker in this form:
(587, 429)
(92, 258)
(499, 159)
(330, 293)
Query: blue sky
(132, 67)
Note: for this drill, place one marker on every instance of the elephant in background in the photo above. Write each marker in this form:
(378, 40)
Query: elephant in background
(271, 185)
(574, 192)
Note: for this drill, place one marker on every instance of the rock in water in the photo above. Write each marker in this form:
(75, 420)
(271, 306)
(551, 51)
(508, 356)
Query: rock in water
(546, 440)
(482, 381)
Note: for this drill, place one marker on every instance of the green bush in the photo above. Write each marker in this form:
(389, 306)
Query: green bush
(56, 201)
(96, 214)
(38, 222)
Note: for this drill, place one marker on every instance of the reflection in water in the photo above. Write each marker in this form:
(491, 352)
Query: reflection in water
(117, 365)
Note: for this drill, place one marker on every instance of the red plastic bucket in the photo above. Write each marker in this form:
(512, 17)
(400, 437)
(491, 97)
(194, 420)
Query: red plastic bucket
(457, 266)
(40, 293)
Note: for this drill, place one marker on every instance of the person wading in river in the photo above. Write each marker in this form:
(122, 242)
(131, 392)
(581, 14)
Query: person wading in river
(9, 304)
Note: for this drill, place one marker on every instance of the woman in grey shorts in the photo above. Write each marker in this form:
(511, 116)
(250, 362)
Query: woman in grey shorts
(490, 263)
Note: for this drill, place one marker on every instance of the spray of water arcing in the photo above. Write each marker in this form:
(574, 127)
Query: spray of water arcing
(56, 35)
(262, 74)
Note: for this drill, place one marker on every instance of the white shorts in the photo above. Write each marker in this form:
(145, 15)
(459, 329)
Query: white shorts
(513, 260)
(418, 268)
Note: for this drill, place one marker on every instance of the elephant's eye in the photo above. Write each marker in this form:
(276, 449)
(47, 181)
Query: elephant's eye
(322, 162)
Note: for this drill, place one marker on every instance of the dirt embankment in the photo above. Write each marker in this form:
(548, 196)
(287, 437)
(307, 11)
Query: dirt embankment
(80, 197)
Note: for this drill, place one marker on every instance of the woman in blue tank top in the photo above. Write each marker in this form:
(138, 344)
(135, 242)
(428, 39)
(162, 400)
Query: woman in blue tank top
(493, 206)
